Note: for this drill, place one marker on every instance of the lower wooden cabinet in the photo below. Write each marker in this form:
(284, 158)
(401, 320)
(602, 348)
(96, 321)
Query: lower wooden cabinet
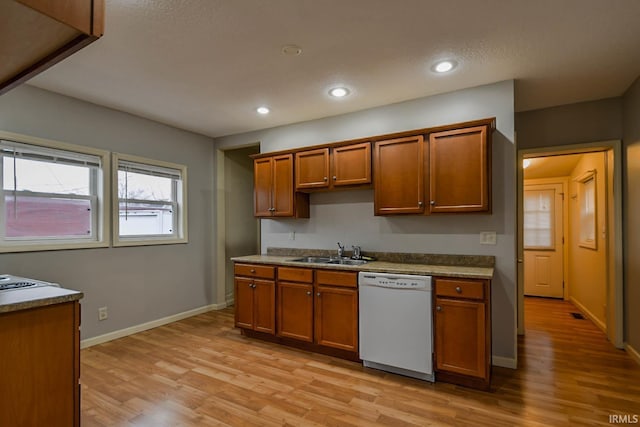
(336, 317)
(255, 297)
(295, 311)
(40, 366)
(463, 331)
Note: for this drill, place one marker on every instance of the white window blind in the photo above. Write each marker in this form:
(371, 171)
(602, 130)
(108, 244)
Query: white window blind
(539, 219)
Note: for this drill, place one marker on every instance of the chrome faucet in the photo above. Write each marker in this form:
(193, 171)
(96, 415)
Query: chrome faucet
(356, 252)
(340, 250)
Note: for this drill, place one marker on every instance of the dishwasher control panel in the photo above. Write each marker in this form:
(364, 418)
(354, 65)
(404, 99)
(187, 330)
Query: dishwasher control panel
(398, 281)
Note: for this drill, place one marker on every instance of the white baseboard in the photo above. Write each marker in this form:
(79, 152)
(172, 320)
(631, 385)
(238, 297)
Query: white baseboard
(504, 362)
(148, 325)
(599, 323)
(635, 355)
(230, 300)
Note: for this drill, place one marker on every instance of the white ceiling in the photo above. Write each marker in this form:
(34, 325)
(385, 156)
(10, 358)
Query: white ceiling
(205, 65)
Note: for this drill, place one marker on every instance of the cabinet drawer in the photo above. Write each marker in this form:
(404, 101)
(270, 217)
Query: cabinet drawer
(469, 289)
(295, 274)
(337, 278)
(250, 270)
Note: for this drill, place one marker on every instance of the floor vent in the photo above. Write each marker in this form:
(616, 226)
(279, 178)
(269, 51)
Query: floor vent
(577, 316)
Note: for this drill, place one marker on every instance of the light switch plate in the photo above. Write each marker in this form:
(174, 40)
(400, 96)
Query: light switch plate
(488, 238)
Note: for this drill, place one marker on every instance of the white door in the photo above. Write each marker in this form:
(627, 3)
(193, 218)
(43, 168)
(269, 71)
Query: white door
(543, 240)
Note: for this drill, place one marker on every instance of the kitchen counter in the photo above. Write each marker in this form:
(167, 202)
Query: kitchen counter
(25, 298)
(462, 271)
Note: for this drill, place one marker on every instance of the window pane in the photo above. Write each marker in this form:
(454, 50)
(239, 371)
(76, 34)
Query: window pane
(45, 177)
(143, 219)
(47, 217)
(538, 219)
(588, 212)
(139, 186)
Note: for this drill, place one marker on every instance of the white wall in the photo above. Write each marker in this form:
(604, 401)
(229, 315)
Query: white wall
(137, 284)
(348, 216)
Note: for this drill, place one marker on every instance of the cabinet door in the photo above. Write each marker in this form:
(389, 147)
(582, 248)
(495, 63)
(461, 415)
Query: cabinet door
(459, 170)
(399, 176)
(336, 317)
(264, 306)
(460, 337)
(351, 164)
(295, 311)
(312, 169)
(244, 303)
(262, 186)
(282, 190)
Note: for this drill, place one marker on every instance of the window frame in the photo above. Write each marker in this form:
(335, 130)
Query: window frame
(100, 200)
(585, 199)
(181, 206)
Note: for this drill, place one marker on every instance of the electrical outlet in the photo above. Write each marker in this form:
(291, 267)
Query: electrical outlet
(488, 238)
(103, 314)
(292, 235)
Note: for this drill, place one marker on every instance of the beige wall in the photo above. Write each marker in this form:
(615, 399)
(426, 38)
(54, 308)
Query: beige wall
(241, 228)
(587, 266)
(631, 141)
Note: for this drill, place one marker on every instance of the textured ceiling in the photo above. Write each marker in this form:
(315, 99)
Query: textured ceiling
(205, 65)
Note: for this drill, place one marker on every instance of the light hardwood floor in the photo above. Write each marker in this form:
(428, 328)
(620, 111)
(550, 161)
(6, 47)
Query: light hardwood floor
(202, 372)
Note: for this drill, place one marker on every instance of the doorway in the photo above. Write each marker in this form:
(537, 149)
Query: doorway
(238, 229)
(569, 231)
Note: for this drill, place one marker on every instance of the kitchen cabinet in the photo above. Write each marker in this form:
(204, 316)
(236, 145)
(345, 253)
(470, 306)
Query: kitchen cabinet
(295, 303)
(333, 167)
(460, 170)
(255, 297)
(399, 176)
(336, 311)
(463, 331)
(40, 365)
(274, 194)
(36, 34)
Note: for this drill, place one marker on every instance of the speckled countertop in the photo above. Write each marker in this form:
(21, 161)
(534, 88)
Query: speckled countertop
(464, 270)
(25, 298)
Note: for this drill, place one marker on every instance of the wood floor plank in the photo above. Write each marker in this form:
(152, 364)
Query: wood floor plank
(201, 371)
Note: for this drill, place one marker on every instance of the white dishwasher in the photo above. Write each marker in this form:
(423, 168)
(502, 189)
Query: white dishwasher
(396, 326)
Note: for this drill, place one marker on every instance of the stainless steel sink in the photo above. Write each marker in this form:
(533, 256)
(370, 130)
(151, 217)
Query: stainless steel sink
(313, 259)
(329, 260)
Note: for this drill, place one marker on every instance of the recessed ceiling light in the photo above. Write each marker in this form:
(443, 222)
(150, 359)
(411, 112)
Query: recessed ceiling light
(444, 66)
(339, 92)
(291, 50)
(263, 110)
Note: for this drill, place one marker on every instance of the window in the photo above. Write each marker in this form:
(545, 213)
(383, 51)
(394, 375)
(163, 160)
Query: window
(52, 195)
(149, 202)
(539, 219)
(587, 202)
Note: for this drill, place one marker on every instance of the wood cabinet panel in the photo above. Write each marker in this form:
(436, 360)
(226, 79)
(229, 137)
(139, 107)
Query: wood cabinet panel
(459, 288)
(460, 337)
(459, 170)
(295, 311)
(336, 317)
(243, 302)
(312, 169)
(274, 189)
(40, 369)
(264, 303)
(351, 165)
(262, 186)
(337, 278)
(283, 185)
(253, 270)
(289, 274)
(399, 176)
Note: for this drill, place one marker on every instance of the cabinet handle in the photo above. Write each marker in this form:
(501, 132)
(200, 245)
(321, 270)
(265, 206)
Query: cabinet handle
(420, 204)
(325, 178)
(252, 270)
(438, 308)
(318, 294)
(433, 203)
(335, 177)
(458, 289)
(308, 292)
(251, 285)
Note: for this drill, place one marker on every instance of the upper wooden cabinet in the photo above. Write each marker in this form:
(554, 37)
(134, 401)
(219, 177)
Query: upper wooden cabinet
(330, 167)
(36, 34)
(460, 170)
(274, 195)
(399, 176)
